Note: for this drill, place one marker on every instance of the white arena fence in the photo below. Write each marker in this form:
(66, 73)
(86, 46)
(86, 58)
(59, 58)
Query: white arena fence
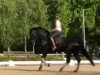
(15, 63)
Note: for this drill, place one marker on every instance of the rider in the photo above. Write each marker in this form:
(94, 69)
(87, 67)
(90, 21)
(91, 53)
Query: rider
(56, 32)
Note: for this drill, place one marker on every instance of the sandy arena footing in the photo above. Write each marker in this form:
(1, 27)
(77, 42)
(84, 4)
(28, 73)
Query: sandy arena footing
(52, 70)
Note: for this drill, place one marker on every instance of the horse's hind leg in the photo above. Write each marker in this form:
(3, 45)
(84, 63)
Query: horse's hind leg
(68, 56)
(78, 60)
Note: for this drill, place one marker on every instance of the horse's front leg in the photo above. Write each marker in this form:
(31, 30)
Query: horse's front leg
(43, 61)
(77, 68)
(68, 56)
(78, 60)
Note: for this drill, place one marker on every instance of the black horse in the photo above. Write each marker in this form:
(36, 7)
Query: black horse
(68, 46)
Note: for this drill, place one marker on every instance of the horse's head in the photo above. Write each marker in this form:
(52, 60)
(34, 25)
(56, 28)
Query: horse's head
(40, 34)
(33, 35)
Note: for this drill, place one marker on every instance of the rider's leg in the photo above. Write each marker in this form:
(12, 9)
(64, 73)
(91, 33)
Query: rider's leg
(53, 43)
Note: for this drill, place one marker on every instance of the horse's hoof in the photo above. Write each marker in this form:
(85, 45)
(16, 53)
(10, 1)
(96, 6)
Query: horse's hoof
(75, 70)
(40, 68)
(48, 65)
(60, 70)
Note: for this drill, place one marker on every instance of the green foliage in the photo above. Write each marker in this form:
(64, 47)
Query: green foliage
(18, 16)
(37, 13)
(7, 9)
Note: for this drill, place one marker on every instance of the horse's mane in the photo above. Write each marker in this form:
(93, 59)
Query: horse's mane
(37, 28)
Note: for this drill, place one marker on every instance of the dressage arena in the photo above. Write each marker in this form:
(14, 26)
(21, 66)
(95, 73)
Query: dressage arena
(52, 70)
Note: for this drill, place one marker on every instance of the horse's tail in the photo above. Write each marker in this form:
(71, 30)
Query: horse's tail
(86, 54)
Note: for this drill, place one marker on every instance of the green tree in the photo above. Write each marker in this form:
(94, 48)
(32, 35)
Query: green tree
(60, 8)
(6, 22)
(20, 26)
(37, 13)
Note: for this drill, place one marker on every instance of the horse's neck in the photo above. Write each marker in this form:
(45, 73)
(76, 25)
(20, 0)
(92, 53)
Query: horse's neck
(42, 35)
